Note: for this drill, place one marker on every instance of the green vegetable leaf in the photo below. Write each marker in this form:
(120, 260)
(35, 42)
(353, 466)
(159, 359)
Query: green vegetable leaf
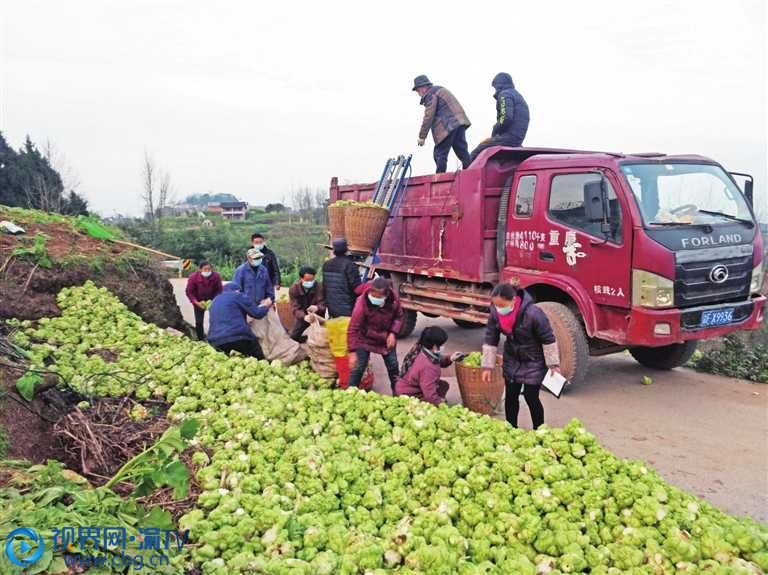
(27, 383)
(189, 428)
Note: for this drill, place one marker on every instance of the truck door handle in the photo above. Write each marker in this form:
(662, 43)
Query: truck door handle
(546, 256)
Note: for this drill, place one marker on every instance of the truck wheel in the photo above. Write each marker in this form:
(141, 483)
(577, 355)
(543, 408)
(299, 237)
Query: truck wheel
(666, 357)
(464, 324)
(571, 340)
(409, 324)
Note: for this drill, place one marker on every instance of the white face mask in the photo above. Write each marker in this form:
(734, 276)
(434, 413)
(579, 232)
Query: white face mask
(206, 274)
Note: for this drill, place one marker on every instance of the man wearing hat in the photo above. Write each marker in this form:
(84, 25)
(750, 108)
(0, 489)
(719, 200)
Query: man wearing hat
(512, 115)
(446, 118)
(341, 279)
(252, 278)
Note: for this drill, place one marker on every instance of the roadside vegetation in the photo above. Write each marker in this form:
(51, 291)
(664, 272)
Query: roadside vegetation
(738, 356)
(296, 238)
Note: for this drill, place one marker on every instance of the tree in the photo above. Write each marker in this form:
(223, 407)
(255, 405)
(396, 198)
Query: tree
(31, 179)
(156, 194)
(275, 208)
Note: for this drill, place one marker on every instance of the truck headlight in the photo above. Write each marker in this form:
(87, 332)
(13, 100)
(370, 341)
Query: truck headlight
(651, 290)
(757, 279)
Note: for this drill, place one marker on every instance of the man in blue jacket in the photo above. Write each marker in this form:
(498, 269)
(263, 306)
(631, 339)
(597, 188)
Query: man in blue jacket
(512, 116)
(252, 278)
(229, 330)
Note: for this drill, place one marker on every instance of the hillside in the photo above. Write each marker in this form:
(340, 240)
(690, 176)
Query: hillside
(57, 251)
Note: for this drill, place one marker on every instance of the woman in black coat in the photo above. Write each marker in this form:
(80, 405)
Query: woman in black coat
(529, 351)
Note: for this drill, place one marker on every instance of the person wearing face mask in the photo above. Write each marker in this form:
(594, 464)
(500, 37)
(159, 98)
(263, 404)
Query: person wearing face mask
(203, 285)
(253, 280)
(420, 375)
(270, 260)
(229, 322)
(306, 297)
(529, 351)
(376, 319)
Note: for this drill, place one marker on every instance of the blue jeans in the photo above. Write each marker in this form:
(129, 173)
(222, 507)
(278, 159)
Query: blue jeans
(390, 360)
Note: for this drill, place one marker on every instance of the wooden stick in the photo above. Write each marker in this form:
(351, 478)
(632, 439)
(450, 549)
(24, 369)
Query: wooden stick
(29, 279)
(145, 248)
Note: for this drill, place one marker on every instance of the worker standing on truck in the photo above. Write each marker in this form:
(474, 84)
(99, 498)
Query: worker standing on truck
(270, 260)
(306, 297)
(376, 320)
(445, 117)
(530, 349)
(253, 280)
(512, 116)
(229, 322)
(202, 286)
(341, 279)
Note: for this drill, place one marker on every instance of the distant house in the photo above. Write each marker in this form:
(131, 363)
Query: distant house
(234, 210)
(214, 209)
(178, 210)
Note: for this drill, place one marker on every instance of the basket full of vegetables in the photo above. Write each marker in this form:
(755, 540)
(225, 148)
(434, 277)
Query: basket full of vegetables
(477, 396)
(336, 216)
(364, 225)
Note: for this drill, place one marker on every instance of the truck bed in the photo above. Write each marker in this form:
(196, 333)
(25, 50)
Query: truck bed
(445, 226)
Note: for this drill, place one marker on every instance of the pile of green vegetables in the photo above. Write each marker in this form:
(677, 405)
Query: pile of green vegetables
(351, 203)
(309, 480)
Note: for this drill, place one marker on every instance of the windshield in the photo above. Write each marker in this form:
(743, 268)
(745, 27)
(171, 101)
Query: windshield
(685, 194)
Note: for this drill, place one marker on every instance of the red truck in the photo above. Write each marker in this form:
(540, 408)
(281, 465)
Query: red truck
(645, 252)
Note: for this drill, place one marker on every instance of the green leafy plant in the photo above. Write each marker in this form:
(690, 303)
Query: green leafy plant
(735, 359)
(36, 253)
(159, 465)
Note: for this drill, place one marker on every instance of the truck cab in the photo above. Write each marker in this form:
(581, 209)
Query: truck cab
(646, 252)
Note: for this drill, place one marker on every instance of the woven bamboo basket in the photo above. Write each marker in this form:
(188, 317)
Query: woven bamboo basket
(336, 217)
(285, 315)
(364, 226)
(476, 395)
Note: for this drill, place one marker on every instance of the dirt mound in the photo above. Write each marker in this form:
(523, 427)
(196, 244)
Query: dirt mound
(54, 254)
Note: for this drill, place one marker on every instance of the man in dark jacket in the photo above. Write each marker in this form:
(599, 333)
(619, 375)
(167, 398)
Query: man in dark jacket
(445, 117)
(229, 329)
(512, 116)
(341, 279)
(270, 260)
(376, 321)
(306, 297)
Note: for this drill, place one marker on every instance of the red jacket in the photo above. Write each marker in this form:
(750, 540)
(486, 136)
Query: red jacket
(200, 288)
(370, 325)
(422, 379)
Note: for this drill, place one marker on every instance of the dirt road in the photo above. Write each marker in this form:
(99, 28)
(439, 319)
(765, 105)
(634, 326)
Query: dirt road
(706, 434)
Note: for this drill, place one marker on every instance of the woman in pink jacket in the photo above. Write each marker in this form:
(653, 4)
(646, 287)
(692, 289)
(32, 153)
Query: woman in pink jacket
(420, 376)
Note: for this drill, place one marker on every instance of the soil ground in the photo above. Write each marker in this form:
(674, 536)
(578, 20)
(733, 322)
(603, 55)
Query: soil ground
(706, 434)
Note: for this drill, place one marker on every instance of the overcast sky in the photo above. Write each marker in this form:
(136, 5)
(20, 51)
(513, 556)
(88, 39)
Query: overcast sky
(254, 98)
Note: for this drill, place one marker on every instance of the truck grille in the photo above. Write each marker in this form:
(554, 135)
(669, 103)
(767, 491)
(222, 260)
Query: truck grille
(694, 281)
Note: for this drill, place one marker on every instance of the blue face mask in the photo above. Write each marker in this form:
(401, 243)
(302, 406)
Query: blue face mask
(308, 285)
(256, 263)
(377, 301)
(504, 310)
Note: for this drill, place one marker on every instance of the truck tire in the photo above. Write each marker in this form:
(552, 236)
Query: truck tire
(571, 340)
(464, 324)
(409, 324)
(665, 358)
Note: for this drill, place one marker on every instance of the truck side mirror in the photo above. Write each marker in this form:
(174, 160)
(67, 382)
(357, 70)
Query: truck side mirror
(749, 186)
(594, 206)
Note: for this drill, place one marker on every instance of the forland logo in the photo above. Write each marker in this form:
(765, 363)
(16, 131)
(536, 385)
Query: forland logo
(711, 241)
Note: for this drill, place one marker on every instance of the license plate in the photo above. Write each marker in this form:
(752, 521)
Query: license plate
(716, 317)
